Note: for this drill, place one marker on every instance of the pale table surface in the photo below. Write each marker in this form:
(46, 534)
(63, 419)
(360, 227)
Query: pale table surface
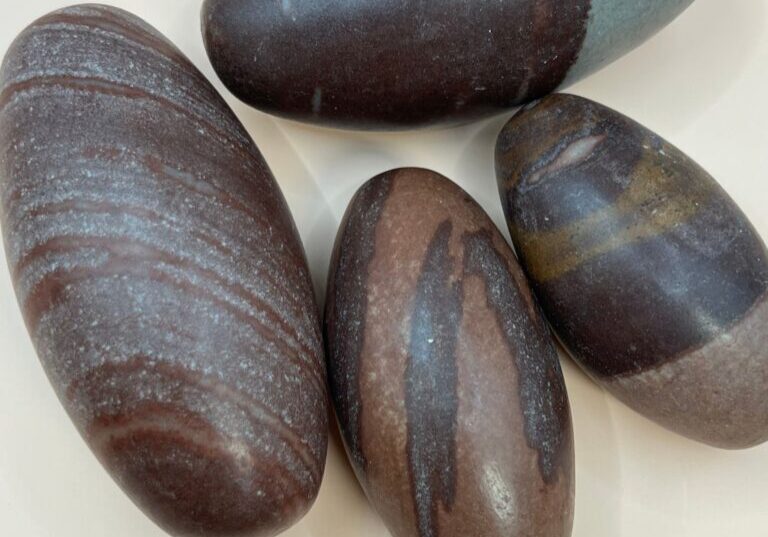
(701, 84)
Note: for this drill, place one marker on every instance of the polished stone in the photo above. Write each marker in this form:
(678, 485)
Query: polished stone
(386, 64)
(445, 378)
(161, 276)
(649, 273)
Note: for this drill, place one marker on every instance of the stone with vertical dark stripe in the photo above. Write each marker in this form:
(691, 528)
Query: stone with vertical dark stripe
(161, 276)
(387, 64)
(445, 379)
(650, 274)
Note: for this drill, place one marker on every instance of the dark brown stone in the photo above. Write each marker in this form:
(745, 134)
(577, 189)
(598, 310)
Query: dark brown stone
(444, 376)
(402, 63)
(161, 276)
(641, 262)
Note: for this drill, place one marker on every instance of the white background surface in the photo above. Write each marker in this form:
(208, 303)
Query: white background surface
(701, 84)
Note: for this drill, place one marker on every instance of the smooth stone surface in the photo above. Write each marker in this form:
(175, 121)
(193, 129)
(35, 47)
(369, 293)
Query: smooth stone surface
(386, 64)
(649, 273)
(445, 379)
(161, 276)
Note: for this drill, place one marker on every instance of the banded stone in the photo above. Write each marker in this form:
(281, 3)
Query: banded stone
(384, 64)
(445, 379)
(161, 276)
(649, 273)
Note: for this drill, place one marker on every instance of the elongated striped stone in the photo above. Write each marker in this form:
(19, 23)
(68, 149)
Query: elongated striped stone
(387, 64)
(651, 275)
(445, 380)
(161, 276)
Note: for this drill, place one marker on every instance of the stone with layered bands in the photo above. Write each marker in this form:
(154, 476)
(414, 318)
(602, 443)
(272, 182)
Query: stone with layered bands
(161, 276)
(445, 378)
(390, 64)
(650, 274)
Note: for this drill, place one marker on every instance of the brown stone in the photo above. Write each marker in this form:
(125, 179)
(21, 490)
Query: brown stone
(649, 273)
(161, 276)
(445, 379)
(388, 64)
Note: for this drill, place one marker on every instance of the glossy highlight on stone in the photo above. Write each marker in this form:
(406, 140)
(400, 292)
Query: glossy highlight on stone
(445, 379)
(161, 276)
(649, 273)
(388, 64)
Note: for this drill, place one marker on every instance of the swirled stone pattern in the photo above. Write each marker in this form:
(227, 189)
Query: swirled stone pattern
(650, 274)
(161, 276)
(384, 64)
(446, 382)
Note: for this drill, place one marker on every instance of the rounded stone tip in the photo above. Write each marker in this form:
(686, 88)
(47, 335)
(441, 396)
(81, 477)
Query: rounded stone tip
(191, 487)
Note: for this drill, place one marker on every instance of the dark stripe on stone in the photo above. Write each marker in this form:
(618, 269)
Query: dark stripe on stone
(431, 379)
(543, 396)
(347, 303)
(644, 304)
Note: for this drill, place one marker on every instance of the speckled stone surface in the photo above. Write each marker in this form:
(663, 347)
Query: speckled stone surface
(649, 273)
(161, 276)
(386, 64)
(445, 379)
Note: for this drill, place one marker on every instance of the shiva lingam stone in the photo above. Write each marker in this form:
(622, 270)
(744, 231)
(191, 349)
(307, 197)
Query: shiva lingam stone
(393, 64)
(161, 276)
(649, 273)
(445, 378)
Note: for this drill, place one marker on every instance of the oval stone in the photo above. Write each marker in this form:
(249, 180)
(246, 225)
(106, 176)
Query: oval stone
(649, 273)
(161, 276)
(386, 64)
(445, 378)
